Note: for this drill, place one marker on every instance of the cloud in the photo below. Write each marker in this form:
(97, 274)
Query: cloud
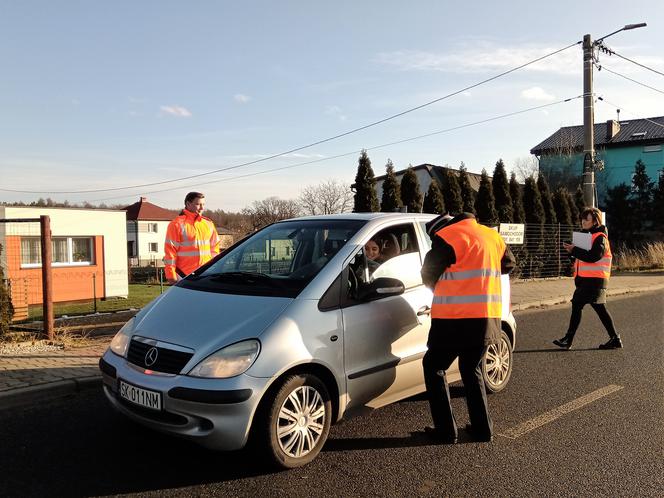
(482, 57)
(176, 110)
(537, 93)
(335, 110)
(241, 98)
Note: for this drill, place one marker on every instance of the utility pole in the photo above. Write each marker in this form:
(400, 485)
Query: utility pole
(589, 112)
(588, 124)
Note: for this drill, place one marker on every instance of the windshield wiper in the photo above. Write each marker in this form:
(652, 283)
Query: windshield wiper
(247, 276)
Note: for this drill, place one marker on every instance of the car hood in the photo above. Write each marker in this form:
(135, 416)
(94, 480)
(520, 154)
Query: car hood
(206, 321)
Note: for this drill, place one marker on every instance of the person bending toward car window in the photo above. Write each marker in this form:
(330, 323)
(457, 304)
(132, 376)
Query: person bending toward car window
(463, 268)
(592, 270)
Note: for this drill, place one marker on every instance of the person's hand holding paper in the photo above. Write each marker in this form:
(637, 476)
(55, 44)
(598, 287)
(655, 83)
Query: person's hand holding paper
(582, 240)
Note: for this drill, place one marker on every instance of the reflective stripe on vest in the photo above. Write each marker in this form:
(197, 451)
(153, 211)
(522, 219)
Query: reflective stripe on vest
(598, 269)
(470, 288)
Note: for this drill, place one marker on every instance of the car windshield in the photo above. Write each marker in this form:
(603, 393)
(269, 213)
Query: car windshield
(280, 260)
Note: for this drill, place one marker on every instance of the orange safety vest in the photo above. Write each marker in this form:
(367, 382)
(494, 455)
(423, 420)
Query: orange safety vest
(470, 288)
(191, 241)
(598, 269)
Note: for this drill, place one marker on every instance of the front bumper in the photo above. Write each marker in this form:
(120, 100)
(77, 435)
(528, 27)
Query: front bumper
(216, 413)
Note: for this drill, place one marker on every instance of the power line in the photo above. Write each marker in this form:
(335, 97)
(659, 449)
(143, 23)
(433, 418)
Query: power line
(346, 154)
(273, 156)
(637, 63)
(603, 100)
(601, 67)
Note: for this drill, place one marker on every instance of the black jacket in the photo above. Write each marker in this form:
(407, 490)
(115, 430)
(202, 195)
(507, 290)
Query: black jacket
(457, 333)
(595, 253)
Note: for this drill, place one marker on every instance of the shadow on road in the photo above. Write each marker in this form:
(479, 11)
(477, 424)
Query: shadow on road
(554, 350)
(78, 447)
(377, 443)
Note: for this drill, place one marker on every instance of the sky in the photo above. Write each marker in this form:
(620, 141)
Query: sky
(113, 96)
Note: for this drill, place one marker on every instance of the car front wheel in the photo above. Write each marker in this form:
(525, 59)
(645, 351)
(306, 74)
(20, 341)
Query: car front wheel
(296, 421)
(497, 364)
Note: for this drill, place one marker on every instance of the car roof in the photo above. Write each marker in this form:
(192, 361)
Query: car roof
(368, 216)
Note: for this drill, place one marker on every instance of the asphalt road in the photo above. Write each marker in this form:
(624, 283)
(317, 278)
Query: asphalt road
(571, 423)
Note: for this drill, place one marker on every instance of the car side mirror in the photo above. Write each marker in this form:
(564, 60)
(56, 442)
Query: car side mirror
(380, 288)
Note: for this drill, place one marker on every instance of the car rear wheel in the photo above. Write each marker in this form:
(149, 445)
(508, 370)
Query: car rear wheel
(297, 421)
(497, 364)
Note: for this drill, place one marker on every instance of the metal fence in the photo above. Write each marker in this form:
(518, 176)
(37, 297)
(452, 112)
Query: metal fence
(542, 255)
(20, 251)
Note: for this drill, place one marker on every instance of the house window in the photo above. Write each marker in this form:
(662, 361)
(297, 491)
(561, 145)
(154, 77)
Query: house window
(65, 251)
(81, 250)
(30, 252)
(152, 227)
(153, 247)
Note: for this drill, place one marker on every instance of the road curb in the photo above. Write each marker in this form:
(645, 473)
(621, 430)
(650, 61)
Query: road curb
(552, 301)
(16, 398)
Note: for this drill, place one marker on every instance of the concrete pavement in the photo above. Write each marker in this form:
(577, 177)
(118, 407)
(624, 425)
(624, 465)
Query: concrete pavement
(34, 374)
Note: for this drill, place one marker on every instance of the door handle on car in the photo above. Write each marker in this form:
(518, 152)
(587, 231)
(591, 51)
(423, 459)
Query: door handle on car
(424, 310)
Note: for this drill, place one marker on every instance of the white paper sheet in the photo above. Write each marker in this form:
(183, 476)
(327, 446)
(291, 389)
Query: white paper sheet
(582, 240)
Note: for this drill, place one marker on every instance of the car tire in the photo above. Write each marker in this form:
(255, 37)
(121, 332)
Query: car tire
(497, 364)
(295, 421)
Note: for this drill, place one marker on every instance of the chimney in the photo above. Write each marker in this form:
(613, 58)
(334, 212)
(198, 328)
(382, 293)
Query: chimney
(612, 128)
(144, 199)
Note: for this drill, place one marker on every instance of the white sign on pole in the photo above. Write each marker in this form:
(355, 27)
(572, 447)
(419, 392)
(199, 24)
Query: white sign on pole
(512, 233)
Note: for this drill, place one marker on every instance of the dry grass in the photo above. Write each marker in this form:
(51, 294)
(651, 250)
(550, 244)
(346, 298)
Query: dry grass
(649, 257)
(63, 337)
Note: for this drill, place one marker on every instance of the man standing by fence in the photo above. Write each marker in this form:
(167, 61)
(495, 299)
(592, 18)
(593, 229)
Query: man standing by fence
(191, 239)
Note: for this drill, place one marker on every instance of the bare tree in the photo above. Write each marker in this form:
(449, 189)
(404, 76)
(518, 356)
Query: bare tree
(525, 167)
(327, 197)
(271, 210)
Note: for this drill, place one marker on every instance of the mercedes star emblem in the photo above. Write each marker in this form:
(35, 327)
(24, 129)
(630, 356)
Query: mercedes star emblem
(151, 357)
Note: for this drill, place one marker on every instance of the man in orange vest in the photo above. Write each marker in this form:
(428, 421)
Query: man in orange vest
(463, 268)
(191, 239)
(592, 270)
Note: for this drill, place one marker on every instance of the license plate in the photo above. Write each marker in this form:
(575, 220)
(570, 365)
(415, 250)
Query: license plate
(140, 397)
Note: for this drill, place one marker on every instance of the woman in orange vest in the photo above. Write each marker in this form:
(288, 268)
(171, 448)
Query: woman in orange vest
(592, 270)
(463, 268)
(191, 239)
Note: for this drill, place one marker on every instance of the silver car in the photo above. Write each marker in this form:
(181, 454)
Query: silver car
(286, 333)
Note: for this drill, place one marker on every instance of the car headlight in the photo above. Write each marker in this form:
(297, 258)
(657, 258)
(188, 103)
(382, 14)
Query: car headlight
(120, 342)
(229, 361)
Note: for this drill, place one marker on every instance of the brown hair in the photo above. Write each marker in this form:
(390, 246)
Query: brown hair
(594, 212)
(192, 196)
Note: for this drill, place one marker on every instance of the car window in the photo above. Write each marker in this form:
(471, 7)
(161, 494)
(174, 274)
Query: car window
(398, 257)
(425, 237)
(279, 260)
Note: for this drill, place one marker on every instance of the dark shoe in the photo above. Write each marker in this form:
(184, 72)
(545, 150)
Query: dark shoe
(613, 343)
(481, 437)
(438, 436)
(565, 342)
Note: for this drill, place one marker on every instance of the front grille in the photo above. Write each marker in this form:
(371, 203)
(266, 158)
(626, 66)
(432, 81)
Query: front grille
(168, 360)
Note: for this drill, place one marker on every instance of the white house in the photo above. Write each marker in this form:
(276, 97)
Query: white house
(146, 232)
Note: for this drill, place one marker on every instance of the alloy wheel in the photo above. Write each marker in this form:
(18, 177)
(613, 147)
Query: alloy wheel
(301, 421)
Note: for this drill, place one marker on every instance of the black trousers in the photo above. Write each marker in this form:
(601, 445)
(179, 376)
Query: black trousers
(435, 362)
(602, 313)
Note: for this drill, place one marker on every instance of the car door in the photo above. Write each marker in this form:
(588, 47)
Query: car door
(385, 338)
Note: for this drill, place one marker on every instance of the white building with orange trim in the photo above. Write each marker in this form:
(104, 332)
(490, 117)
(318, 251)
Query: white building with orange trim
(89, 249)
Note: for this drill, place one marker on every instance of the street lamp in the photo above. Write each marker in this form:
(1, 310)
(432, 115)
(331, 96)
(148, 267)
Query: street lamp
(588, 112)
